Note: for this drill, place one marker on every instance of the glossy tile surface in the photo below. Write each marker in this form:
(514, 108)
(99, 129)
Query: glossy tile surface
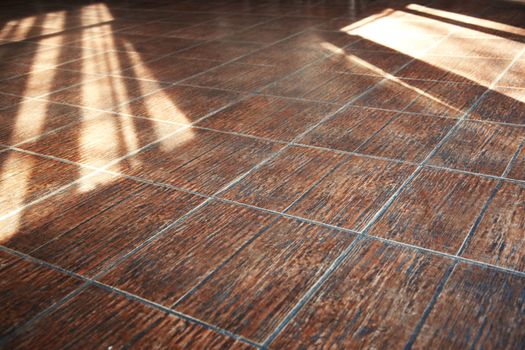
(195, 174)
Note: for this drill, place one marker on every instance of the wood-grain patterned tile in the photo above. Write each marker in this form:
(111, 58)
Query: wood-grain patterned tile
(7, 100)
(408, 137)
(283, 55)
(271, 117)
(343, 88)
(498, 239)
(348, 129)
(478, 308)
(181, 104)
(94, 244)
(514, 76)
(518, 168)
(97, 318)
(221, 51)
(501, 104)
(426, 212)
(480, 147)
(350, 196)
(99, 140)
(372, 301)
(25, 178)
(285, 178)
(168, 268)
(253, 292)
(197, 159)
(28, 289)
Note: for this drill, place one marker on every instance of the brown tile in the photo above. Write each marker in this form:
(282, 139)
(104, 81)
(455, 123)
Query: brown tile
(447, 98)
(271, 117)
(505, 105)
(343, 88)
(154, 29)
(284, 55)
(221, 51)
(393, 94)
(56, 56)
(351, 195)
(182, 258)
(518, 168)
(205, 31)
(478, 307)
(97, 318)
(104, 93)
(158, 46)
(262, 35)
(25, 178)
(513, 77)
(199, 160)
(253, 292)
(28, 289)
(436, 210)
(7, 101)
(480, 147)
(318, 38)
(17, 51)
(100, 140)
(12, 69)
(169, 69)
(373, 300)
(477, 47)
(348, 129)
(237, 76)
(285, 178)
(33, 118)
(498, 239)
(408, 137)
(43, 82)
(110, 229)
(474, 70)
(181, 104)
(427, 67)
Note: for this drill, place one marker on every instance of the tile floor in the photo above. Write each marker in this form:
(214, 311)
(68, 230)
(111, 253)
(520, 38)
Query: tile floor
(237, 174)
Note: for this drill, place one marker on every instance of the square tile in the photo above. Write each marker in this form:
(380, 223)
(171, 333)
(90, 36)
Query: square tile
(425, 68)
(238, 76)
(198, 160)
(271, 117)
(513, 77)
(28, 289)
(373, 300)
(498, 239)
(350, 195)
(478, 307)
(100, 140)
(205, 31)
(221, 51)
(408, 137)
(473, 70)
(283, 55)
(261, 35)
(109, 228)
(480, 147)
(518, 168)
(285, 178)
(181, 104)
(506, 105)
(348, 129)
(343, 88)
(256, 289)
(447, 98)
(32, 177)
(97, 318)
(425, 213)
(186, 254)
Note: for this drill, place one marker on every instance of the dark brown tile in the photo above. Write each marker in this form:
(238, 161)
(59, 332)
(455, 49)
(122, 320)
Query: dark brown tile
(271, 117)
(518, 168)
(343, 88)
(157, 46)
(104, 93)
(480, 147)
(181, 104)
(100, 140)
(478, 307)
(205, 31)
(182, 258)
(284, 55)
(426, 212)
(33, 118)
(427, 67)
(394, 94)
(505, 105)
(110, 228)
(348, 129)
(237, 76)
(26, 178)
(474, 70)
(50, 58)
(447, 98)
(478, 47)
(253, 292)
(498, 239)
(262, 35)
(513, 77)
(285, 178)
(221, 51)
(319, 39)
(97, 318)
(154, 29)
(373, 300)
(351, 195)
(12, 69)
(28, 289)
(169, 69)
(408, 137)
(199, 160)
